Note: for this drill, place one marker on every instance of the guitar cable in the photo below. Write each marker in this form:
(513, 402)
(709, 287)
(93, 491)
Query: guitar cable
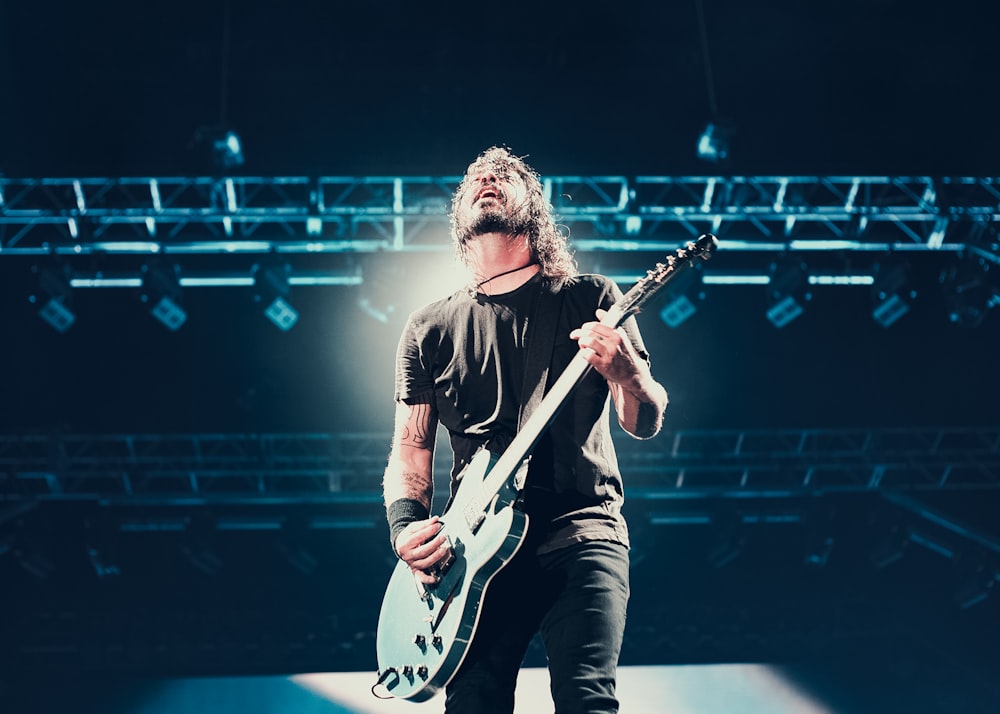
(382, 677)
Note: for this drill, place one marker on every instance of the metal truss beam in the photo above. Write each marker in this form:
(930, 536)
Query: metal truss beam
(347, 468)
(300, 215)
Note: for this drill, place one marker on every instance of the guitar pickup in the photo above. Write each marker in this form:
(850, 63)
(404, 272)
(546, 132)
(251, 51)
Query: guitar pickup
(438, 571)
(441, 567)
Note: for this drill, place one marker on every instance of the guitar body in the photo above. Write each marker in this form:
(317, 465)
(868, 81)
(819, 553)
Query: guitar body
(424, 632)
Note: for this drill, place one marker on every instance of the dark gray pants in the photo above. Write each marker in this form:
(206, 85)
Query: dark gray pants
(576, 598)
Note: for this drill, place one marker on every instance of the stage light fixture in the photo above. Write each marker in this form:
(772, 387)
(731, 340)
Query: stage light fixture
(103, 565)
(633, 225)
(819, 554)
(224, 146)
(55, 296)
(229, 149)
(161, 289)
(713, 143)
(970, 290)
(314, 226)
(273, 291)
(891, 292)
(681, 297)
(787, 291)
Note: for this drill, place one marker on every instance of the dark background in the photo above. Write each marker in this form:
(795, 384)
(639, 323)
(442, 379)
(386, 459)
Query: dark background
(876, 87)
(315, 88)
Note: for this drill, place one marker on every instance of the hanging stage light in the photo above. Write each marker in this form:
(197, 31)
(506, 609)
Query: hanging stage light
(891, 292)
(787, 291)
(681, 295)
(229, 149)
(55, 298)
(161, 288)
(273, 290)
(970, 290)
(224, 146)
(713, 144)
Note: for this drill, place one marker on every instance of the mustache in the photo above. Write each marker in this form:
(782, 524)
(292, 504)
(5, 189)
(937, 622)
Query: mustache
(490, 190)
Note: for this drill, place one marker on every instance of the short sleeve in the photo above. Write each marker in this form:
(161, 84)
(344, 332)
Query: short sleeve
(413, 376)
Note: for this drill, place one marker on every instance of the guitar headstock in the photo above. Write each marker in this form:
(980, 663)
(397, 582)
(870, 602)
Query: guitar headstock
(657, 277)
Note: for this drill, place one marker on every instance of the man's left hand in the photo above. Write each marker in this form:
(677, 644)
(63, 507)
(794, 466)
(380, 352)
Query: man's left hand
(611, 352)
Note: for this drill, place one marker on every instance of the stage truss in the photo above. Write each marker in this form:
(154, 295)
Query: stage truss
(317, 467)
(331, 215)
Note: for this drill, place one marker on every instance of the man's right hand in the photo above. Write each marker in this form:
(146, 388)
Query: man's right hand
(424, 548)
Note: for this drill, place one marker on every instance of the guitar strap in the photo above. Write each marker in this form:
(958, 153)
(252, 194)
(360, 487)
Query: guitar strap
(538, 357)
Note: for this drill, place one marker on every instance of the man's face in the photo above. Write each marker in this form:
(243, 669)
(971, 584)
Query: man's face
(494, 198)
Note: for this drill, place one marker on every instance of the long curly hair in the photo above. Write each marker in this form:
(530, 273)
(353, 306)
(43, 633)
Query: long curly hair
(547, 241)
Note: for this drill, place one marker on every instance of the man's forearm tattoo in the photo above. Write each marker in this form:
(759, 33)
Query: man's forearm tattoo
(416, 486)
(414, 432)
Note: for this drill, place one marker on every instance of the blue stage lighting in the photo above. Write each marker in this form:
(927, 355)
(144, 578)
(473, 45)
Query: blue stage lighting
(787, 291)
(161, 288)
(60, 317)
(170, 313)
(683, 291)
(273, 289)
(55, 297)
(282, 314)
(891, 293)
(713, 144)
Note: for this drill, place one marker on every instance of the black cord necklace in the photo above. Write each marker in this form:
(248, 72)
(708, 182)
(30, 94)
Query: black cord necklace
(475, 288)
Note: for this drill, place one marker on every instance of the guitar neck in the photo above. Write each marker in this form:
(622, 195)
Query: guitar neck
(544, 413)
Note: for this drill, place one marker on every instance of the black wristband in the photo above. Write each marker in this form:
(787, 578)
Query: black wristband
(401, 513)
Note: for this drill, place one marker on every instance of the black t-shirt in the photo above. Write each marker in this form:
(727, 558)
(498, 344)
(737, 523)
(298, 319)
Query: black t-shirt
(470, 352)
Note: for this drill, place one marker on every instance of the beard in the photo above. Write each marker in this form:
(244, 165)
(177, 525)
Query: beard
(495, 219)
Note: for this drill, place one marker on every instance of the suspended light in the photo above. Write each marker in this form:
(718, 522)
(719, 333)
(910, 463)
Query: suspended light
(273, 290)
(892, 294)
(55, 297)
(162, 289)
(787, 291)
(713, 144)
(224, 146)
(680, 304)
(228, 150)
(970, 290)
